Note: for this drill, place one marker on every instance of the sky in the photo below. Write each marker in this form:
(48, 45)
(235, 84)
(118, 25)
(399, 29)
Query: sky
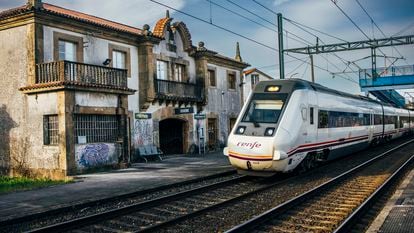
(323, 15)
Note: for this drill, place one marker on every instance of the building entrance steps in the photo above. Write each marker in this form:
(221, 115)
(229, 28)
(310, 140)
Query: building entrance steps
(91, 187)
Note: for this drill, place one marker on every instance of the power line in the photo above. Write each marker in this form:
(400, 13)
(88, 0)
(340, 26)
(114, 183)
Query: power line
(272, 23)
(353, 22)
(296, 23)
(238, 34)
(270, 10)
(376, 25)
(238, 14)
(217, 26)
(309, 43)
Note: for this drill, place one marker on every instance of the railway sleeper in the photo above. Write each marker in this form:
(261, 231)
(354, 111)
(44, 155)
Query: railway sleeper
(104, 229)
(311, 215)
(310, 221)
(301, 227)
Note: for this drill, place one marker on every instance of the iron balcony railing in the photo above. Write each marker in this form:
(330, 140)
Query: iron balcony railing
(80, 73)
(179, 90)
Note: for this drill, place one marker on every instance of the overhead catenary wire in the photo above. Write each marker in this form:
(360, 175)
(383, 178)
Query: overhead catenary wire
(376, 25)
(307, 42)
(240, 35)
(353, 22)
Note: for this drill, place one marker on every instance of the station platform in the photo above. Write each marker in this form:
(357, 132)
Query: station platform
(91, 187)
(398, 214)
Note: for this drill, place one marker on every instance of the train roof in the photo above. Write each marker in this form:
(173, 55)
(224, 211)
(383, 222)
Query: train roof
(298, 84)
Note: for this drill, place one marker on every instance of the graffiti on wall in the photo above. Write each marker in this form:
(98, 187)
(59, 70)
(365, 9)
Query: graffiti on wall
(95, 155)
(143, 132)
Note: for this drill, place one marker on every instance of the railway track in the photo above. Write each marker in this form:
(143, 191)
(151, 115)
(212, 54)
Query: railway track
(174, 212)
(159, 212)
(64, 214)
(335, 205)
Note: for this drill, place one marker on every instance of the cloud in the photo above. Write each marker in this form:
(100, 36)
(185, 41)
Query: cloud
(280, 2)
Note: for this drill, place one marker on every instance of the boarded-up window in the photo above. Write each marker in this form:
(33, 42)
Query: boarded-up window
(50, 130)
(212, 78)
(96, 128)
(231, 79)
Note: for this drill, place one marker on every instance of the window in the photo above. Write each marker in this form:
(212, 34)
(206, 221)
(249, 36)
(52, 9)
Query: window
(121, 57)
(377, 119)
(311, 115)
(162, 70)
(96, 128)
(67, 50)
(231, 79)
(255, 80)
(50, 130)
(67, 47)
(404, 121)
(388, 120)
(179, 73)
(118, 59)
(212, 77)
(334, 119)
(323, 119)
(265, 108)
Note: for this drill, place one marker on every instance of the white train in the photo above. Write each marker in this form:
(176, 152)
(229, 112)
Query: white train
(289, 123)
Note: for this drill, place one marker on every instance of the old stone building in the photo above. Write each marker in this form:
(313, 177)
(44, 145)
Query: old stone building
(250, 78)
(192, 94)
(79, 92)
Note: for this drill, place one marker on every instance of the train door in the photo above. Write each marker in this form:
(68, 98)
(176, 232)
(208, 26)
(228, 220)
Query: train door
(312, 132)
(371, 126)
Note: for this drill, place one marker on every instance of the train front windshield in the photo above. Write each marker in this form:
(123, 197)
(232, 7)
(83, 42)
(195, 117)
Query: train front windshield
(265, 108)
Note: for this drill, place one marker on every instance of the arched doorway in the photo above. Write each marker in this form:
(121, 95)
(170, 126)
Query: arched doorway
(172, 136)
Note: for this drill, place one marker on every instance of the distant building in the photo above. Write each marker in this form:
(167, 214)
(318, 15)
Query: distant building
(250, 78)
(80, 92)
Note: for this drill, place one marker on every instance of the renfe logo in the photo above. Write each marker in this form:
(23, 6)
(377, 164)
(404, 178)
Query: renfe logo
(250, 145)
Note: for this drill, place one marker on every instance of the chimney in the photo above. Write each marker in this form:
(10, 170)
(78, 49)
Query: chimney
(35, 3)
(238, 57)
(167, 14)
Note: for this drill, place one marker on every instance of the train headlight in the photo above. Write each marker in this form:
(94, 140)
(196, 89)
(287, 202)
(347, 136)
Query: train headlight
(269, 131)
(272, 88)
(241, 130)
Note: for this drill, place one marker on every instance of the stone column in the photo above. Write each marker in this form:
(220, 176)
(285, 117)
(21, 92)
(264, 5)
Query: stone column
(147, 74)
(66, 104)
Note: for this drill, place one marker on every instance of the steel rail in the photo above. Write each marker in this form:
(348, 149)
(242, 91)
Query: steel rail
(266, 216)
(353, 217)
(36, 216)
(52, 212)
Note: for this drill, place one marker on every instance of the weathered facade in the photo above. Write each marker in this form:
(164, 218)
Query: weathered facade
(64, 111)
(250, 78)
(80, 92)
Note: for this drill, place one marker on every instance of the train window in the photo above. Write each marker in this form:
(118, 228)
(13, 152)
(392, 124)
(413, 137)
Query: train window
(377, 119)
(323, 119)
(311, 115)
(265, 108)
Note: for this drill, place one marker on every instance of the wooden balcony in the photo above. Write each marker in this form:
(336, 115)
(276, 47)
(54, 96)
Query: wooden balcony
(74, 75)
(178, 91)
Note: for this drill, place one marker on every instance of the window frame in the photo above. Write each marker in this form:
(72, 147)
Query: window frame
(231, 85)
(126, 51)
(78, 41)
(209, 71)
(159, 61)
(47, 135)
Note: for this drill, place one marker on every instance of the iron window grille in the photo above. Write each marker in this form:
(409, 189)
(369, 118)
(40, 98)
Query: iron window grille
(50, 130)
(96, 128)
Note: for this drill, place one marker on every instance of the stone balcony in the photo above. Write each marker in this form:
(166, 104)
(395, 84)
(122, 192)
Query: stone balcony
(73, 75)
(178, 91)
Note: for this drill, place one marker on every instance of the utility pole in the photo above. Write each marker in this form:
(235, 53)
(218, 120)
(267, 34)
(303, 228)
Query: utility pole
(312, 71)
(280, 38)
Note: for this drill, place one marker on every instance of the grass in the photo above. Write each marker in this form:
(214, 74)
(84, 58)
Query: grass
(11, 184)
